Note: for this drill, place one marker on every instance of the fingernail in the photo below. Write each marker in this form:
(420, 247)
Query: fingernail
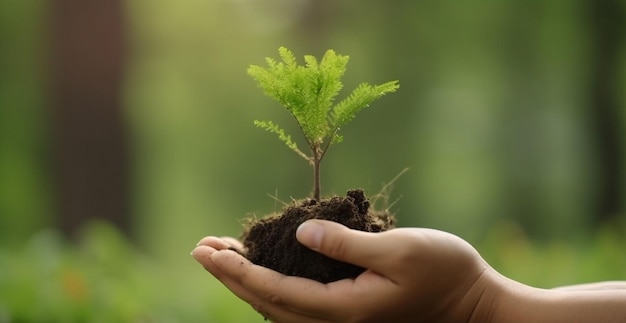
(207, 249)
(310, 234)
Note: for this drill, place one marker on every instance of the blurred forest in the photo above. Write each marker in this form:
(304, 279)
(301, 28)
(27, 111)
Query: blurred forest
(126, 135)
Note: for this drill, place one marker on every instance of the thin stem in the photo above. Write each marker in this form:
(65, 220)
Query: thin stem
(316, 172)
(318, 155)
(330, 139)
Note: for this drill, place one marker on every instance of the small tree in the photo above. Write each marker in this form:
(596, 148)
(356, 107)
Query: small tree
(308, 92)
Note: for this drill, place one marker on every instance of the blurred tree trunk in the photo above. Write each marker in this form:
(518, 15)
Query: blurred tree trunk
(607, 26)
(315, 25)
(87, 62)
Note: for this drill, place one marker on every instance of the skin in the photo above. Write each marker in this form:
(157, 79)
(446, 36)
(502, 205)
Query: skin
(413, 275)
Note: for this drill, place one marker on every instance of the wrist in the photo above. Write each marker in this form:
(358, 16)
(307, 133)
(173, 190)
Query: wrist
(503, 300)
(483, 300)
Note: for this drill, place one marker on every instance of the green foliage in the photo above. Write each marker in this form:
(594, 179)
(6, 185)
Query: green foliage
(271, 127)
(308, 93)
(105, 278)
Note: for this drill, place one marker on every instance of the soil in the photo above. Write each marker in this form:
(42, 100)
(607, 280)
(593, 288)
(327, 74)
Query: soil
(271, 241)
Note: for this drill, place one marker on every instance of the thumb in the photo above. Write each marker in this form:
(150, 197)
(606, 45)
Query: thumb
(365, 249)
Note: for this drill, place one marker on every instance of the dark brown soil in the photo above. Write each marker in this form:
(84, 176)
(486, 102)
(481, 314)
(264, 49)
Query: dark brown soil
(271, 241)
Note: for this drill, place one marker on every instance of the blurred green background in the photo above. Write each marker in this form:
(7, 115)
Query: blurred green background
(126, 135)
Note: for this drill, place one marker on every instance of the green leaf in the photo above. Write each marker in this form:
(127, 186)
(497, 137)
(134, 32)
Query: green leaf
(274, 128)
(359, 99)
(308, 92)
(288, 57)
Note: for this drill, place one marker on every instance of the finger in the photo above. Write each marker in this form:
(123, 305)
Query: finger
(202, 254)
(253, 283)
(365, 249)
(214, 242)
(268, 308)
(233, 243)
(270, 311)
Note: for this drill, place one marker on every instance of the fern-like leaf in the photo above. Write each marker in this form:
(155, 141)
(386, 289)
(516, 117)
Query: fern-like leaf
(274, 128)
(360, 98)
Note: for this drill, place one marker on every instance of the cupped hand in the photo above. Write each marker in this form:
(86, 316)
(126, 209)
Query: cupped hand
(413, 275)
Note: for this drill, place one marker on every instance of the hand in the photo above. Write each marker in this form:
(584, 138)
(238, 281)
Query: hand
(413, 275)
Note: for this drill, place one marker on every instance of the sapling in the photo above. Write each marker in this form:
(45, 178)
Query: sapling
(308, 92)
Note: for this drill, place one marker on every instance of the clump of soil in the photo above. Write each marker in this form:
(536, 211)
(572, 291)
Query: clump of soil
(271, 241)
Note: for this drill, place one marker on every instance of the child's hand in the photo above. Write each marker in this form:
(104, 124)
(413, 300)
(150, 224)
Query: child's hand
(413, 275)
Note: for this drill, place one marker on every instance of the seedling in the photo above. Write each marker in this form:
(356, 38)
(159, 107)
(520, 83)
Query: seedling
(308, 93)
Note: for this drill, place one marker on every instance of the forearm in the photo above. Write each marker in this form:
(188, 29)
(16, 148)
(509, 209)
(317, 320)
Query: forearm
(516, 302)
(606, 285)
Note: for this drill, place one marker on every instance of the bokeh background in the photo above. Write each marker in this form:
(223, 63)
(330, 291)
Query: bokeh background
(126, 135)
